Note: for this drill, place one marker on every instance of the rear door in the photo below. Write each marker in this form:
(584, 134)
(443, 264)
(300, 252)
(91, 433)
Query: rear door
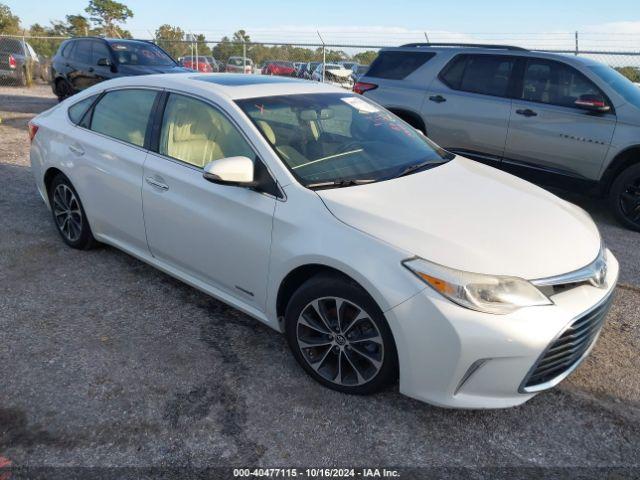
(78, 65)
(548, 133)
(109, 151)
(467, 107)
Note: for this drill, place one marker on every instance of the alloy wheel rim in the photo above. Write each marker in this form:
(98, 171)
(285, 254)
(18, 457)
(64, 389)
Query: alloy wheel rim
(339, 341)
(66, 210)
(630, 200)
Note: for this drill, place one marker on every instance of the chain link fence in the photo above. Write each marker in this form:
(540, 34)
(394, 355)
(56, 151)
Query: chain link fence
(25, 61)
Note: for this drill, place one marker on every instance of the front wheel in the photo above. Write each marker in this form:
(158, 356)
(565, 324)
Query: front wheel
(340, 337)
(624, 197)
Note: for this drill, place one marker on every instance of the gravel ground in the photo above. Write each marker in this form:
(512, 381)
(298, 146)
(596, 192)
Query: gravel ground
(105, 361)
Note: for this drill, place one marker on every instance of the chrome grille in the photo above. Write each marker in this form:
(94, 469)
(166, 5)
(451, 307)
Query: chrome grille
(565, 353)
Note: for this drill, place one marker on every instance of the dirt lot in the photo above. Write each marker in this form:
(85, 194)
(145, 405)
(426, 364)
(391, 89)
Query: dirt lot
(104, 361)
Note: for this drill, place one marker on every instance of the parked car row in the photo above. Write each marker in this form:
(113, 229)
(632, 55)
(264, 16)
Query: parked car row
(557, 120)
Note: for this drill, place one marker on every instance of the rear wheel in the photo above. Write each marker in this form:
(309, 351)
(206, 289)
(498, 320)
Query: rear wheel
(624, 197)
(68, 214)
(23, 80)
(340, 337)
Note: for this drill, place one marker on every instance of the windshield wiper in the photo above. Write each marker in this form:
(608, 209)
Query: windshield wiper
(418, 166)
(343, 182)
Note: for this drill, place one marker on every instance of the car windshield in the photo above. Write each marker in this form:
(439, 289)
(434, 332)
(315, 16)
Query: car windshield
(621, 84)
(339, 137)
(139, 53)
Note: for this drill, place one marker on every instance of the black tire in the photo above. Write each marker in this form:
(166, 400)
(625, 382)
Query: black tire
(624, 197)
(63, 89)
(333, 285)
(22, 79)
(76, 219)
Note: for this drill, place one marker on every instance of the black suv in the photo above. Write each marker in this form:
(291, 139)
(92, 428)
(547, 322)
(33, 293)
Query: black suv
(84, 61)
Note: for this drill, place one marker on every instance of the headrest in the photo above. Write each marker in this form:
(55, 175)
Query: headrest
(268, 131)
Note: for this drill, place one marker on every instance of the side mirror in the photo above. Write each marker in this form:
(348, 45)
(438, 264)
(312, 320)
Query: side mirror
(235, 171)
(592, 103)
(104, 62)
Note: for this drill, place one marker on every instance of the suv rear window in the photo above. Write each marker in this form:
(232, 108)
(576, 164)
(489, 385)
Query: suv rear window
(485, 74)
(396, 65)
(10, 45)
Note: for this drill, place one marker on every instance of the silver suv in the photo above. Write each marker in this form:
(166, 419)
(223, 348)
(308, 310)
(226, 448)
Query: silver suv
(556, 120)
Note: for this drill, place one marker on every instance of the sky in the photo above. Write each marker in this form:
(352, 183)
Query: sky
(543, 23)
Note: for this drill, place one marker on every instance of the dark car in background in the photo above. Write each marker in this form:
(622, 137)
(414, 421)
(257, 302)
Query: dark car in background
(278, 67)
(84, 61)
(18, 60)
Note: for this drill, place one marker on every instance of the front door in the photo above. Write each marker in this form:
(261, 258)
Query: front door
(548, 132)
(221, 235)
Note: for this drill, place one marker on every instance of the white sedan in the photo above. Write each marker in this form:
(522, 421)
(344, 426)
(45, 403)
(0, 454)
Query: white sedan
(378, 254)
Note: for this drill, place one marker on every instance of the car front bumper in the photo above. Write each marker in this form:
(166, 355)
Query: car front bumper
(459, 358)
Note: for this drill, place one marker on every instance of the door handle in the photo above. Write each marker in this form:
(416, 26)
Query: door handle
(526, 112)
(437, 98)
(76, 149)
(157, 183)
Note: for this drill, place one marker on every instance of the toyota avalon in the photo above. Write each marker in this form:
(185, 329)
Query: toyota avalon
(380, 256)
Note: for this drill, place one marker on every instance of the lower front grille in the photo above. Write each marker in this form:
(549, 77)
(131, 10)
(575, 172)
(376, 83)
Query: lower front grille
(565, 353)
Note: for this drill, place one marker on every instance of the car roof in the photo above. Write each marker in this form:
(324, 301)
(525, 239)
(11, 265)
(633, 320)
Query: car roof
(228, 85)
(494, 50)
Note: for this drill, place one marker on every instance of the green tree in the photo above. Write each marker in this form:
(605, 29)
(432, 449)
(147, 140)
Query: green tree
(107, 14)
(172, 40)
(632, 73)
(9, 23)
(78, 25)
(43, 46)
(365, 58)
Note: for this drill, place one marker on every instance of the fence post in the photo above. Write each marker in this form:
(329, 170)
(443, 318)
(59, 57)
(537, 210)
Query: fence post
(577, 49)
(324, 55)
(244, 55)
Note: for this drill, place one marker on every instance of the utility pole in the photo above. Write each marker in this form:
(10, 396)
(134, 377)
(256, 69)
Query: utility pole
(577, 49)
(427, 37)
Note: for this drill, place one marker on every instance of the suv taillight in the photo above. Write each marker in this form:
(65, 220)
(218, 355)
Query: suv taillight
(361, 87)
(12, 62)
(33, 129)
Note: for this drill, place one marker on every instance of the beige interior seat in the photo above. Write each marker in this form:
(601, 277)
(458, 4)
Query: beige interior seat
(191, 137)
(290, 154)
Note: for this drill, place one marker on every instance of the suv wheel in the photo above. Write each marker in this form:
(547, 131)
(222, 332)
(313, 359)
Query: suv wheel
(68, 215)
(625, 197)
(340, 337)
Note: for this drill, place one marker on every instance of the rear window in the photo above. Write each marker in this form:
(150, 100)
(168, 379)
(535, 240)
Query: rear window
(77, 111)
(396, 65)
(11, 45)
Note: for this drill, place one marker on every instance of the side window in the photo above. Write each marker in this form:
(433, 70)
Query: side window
(196, 133)
(82, 52)
(77, 110)
(99, 51)
(124, 115)
(485, 74)
(396, 65)
(67, 51)
(546, 81)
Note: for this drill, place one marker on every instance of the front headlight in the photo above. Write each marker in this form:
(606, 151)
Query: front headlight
(486, 293)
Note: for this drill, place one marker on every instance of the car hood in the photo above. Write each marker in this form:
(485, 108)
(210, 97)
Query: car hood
(471, 217)
(148, 69)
